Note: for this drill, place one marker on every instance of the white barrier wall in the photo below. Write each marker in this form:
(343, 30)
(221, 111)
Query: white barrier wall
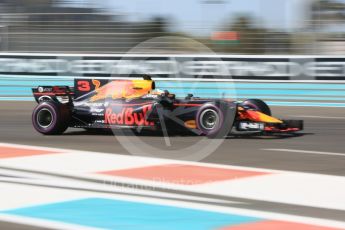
(255, 67)
(280, 80)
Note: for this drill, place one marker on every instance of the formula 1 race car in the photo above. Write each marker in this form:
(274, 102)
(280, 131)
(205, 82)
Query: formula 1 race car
(136, 104)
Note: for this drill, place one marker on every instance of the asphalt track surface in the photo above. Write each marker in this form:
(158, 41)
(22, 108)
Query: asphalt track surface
(323, 139)
(324, 132)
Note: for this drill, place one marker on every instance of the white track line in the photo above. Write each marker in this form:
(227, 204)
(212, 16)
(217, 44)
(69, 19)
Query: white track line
(75, 185)
(322, 117)
(46, 224)
(306, 151)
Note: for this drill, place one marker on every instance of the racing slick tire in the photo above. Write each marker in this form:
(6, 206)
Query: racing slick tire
(50, 118)
(213, 121)
(259, 105)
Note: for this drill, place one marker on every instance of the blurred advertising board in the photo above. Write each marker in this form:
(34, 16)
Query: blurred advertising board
(257, 67)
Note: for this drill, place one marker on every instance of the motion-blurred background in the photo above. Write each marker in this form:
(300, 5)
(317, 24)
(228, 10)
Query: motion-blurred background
(226, 26)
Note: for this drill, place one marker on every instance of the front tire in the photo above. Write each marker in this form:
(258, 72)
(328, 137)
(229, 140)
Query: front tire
(50, 118)
(209, 120)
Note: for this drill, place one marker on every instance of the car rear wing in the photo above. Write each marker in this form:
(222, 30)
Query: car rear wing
(61, 94)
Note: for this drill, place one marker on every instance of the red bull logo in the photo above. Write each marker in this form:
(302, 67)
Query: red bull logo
(121, 89)
(127, 116)
(114, 90)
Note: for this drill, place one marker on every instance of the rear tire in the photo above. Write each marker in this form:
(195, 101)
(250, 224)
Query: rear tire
(50, 118)
(258, 105)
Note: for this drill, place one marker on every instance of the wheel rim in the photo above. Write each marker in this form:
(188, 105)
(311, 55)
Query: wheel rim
(44, 118)
(209, 119)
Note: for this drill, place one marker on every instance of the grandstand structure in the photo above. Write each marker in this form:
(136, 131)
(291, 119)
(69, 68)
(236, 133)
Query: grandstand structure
(47, 26)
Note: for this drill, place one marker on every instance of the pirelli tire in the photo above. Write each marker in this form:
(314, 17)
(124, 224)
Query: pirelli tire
(258, 105)
(214, 121)
(51, 118)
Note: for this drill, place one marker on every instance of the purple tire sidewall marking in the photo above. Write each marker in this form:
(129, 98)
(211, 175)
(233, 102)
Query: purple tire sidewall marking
(220, 123)
(52, 109)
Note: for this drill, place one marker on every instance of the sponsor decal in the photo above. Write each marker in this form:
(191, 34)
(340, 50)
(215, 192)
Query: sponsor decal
(114, 90)
(307, 68)
(251, 126)
(128, 116)
(153, 96)
(126, 89)
(97, 110)
(44, 89)
(96, 104)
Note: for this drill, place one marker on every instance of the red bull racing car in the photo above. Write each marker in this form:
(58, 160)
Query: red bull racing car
(137, 104)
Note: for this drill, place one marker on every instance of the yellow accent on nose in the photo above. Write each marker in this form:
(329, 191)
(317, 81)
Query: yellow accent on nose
(268, 119)
(261, 117)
